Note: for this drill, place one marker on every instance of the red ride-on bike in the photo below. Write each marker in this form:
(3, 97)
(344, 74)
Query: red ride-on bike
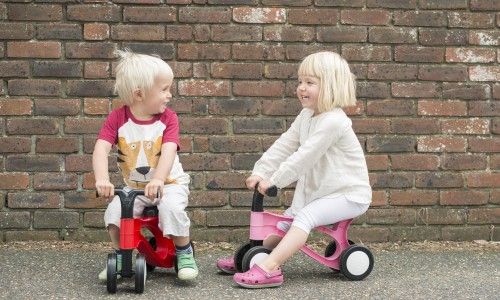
(156, 251)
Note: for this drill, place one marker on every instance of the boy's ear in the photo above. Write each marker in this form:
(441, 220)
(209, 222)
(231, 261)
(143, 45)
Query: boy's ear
(138, 95)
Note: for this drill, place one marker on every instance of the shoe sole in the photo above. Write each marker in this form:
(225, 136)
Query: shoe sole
(191, 277)
(227, 271)
(259, 286)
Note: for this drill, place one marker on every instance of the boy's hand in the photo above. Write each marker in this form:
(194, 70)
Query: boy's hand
(152, 188)
(105, 189)
(252, 181)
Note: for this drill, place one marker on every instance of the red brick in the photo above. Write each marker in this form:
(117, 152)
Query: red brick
(97, 69)
(418, 54)
(221, 144)
(484, 37)
(441, 144)
(205, 162)
(207, 199)
(415, 90)
(83, 200)
(33, 163)
(299, 52)
(281, 107)
(366, 53)
(90, 88)
(79, 163)
(463, 197)
(312, 16)
(377, 162)
(258, 88)
(152, 14)
(465, 233)
(90, 50)
(417, 162)
(16, 31)
(484, 145)
(56, 107)
(96, 31)
(22, 235)
(484, 5)
(396, 35)
(344, 34)
(204, 14)
(14, 69)
(471, 20)
(371, 126)
(57, 69)
(494, 197)
(259, 15)
(390, 216)
(392, 72)
(203, 125)
(179, 33)
(415, 126)
(203, 88)
(14, 181)
(30, 12)
(442, 108)
(83, 125)
(485, 108)
(413, 197)
(236, 33)
(496, 91)
(93, 106)
(34, 49)
(365, 17)
(288, 34)
(288, 2)
(443, 73)
(17, 107)
(59, 32)
(483, 216)
(138, 32)
(33, 200)
(443, 4)
(439, 37)
(15, 144)
(57, 145)
(408, 4)
(419, 18)
(484, 73)
(483, 180)
(257, 52)
(93, 13)
(20, 126)
(464, 126)
(438, 216)
(379, 198)
(391, 180)
(463, 162)
(472, 91)
(226, 180)
(14, 219)
(55, 181)
(390, 108)
(236, 71)
(282, 70)
(439, 180)
(203, 51)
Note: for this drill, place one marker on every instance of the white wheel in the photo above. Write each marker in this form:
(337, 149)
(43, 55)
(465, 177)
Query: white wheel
(356, 262)
(254, 256)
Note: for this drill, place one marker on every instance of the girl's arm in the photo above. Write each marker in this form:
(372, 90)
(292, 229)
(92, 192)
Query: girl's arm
(100, 166)
(300, 162)
(165, 163)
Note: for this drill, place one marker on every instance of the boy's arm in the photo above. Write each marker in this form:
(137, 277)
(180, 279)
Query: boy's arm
(165, 163)
(100, 166)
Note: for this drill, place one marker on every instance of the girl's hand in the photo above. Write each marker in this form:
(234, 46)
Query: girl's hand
(264, 185)
(252, 181)
(105, 189)
(152, 188)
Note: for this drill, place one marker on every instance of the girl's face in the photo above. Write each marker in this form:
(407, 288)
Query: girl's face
(157, 98)
(308, 92)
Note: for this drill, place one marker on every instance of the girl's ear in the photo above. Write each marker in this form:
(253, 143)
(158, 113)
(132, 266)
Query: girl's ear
(138, 95)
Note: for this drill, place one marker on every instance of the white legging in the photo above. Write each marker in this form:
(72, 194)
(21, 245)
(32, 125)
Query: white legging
(324, 211)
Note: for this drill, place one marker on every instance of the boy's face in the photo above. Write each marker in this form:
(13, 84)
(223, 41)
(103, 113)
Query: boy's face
(157, 98)
(308, 92)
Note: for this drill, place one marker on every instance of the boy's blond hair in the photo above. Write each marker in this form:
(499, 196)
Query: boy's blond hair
(338, 87)
(137, 71)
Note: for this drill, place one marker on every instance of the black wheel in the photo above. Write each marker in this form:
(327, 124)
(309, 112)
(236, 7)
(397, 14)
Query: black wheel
(356, 262)
(111, 275)
(152, 243)
(140, 272)
(239, 254)
(254, 255)
(176, 267)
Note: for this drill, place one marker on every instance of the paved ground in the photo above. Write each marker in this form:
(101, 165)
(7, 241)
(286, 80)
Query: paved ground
(398, 274)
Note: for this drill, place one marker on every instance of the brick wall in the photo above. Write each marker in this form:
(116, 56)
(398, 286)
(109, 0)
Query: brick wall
(428, 114)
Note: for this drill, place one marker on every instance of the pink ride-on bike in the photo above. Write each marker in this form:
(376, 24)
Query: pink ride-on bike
(341, 254)
(156, 251)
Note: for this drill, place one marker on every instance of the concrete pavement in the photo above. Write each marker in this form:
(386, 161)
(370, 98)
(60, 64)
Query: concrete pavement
(72, 274)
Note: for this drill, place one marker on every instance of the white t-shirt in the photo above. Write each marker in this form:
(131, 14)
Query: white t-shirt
(324, 156)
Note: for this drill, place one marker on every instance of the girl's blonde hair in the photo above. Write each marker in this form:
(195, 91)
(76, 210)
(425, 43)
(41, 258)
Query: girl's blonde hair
(137, 71)
(338, 87)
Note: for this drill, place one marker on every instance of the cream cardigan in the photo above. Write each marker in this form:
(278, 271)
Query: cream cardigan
(324, 156)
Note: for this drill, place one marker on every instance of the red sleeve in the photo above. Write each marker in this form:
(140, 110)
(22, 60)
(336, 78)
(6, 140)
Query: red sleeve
(171, 133)
(109, 131)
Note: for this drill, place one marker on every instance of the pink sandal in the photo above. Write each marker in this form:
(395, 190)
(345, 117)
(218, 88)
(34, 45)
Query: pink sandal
(256, 278)
(226, 265)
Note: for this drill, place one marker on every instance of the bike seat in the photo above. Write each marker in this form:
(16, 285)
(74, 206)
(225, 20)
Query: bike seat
(150, 211)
